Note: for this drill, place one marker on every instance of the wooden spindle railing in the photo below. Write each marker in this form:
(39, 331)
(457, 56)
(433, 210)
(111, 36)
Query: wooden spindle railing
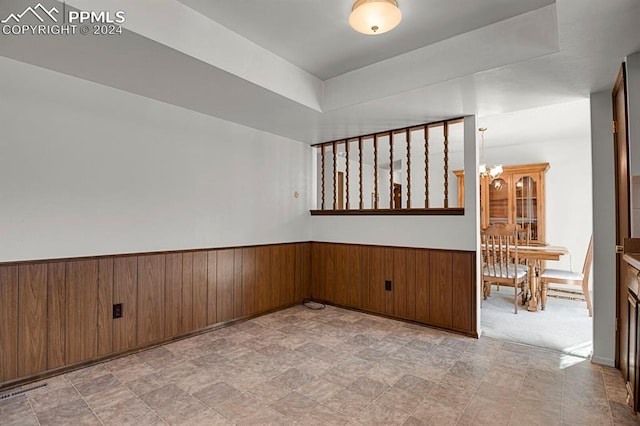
(361, 184)
(408, 138)
(446, 164)
(335, 177)
(323, 173)
(426, 167)
(375, 171)
(346, 147)
(339, 192)
(391, 204)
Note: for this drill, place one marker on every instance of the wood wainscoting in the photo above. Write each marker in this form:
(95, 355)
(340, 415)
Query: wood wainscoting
(58, 314)
(432, 287)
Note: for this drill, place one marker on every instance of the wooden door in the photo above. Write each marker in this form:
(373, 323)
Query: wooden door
(621, 147)
(397, 196)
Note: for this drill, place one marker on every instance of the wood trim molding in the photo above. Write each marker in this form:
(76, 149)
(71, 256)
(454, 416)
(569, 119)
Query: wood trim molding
(451, 211)
(473, 334)
(142, 253)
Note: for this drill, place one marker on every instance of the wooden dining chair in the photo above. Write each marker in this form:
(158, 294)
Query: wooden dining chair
(561, 276)
(500, 263)
(524, 239)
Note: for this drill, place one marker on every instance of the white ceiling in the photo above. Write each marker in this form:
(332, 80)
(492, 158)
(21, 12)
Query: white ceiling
(560, 122)
(314, 35)
(294, 68)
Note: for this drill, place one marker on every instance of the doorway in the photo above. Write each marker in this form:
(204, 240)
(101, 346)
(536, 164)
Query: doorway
(555, 207)
(623, 226)
(397, 196)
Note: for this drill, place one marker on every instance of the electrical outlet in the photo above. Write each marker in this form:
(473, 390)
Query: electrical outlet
(387, 285)
(117, 310)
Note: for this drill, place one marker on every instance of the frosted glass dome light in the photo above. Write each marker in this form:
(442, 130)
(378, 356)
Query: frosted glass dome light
(375, 17)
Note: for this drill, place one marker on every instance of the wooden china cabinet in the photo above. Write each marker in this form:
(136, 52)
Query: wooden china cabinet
(515, 197)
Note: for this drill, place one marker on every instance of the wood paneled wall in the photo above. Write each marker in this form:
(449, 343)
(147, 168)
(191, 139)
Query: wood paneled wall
(433, 287)
(59, 313)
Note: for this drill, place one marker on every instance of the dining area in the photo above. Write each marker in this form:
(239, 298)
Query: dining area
(510, 261)
(535, 284)
(524, 300)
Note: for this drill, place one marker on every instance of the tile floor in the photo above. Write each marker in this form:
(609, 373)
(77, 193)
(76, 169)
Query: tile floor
(327, 367)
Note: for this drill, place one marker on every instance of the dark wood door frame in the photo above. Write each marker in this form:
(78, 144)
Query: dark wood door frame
(623, 226)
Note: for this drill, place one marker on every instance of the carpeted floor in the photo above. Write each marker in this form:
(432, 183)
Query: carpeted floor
(564, 325)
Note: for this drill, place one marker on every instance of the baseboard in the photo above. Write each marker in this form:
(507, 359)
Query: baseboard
(603, 361)
(465, 333)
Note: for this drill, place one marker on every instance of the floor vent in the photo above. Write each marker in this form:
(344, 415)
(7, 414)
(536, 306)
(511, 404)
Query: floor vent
(21, 391)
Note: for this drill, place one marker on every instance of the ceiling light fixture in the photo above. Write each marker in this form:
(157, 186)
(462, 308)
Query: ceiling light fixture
(493, 172)
(375, 17)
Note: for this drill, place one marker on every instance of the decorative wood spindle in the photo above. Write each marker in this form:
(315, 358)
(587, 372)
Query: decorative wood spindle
(446, 164)
(360, 155)
(426, 167)
(339, 192)
(408, 137)
(323, 180)
(335, 177)
(375, 171)
(346, 147)
(391, 169)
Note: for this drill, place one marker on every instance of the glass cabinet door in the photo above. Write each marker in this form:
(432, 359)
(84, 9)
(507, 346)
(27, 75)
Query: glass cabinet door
(498, 205)
(526, 203)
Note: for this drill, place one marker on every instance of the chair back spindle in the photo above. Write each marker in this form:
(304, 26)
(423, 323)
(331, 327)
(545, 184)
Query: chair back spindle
(499, 253)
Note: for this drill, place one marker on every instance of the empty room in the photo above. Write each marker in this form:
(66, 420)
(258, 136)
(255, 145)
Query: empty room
(319, 212)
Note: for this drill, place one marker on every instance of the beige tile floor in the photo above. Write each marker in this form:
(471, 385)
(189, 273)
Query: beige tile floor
(334, 366)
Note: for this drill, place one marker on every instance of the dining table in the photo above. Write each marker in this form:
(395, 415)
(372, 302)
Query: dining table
(534, 255)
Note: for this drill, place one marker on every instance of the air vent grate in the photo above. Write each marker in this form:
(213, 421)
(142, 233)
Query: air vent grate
(21, 391)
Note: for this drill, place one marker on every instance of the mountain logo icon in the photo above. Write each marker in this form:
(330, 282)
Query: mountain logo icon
(34, 11)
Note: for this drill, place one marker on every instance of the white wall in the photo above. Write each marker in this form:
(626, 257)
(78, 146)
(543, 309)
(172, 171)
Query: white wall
(446, 232)
(604, 230)
(90, 170)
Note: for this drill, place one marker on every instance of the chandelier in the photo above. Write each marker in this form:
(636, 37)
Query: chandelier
(375, 17)
(484, 170)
